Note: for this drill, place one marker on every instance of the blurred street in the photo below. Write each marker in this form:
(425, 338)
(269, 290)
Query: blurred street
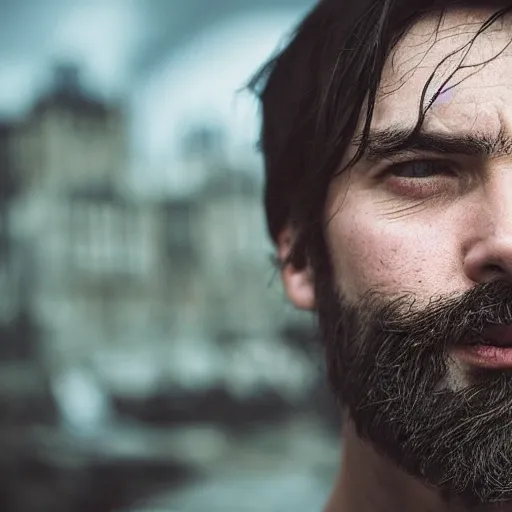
(290, 468)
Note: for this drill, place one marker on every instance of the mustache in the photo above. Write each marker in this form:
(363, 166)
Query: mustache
(399, 335)
(446, 320)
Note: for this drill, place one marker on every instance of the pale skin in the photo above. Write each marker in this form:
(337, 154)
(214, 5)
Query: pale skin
(437, 234)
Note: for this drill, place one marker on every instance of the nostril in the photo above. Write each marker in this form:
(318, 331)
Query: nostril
(493, 270)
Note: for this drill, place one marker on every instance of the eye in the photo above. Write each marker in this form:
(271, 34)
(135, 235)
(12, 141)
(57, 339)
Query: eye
(420, 179)
(421, 169)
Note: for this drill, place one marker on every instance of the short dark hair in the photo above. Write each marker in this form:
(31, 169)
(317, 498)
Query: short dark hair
(312, 95)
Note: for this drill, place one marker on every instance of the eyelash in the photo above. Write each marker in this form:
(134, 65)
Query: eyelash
(418, 187)
(448, 167)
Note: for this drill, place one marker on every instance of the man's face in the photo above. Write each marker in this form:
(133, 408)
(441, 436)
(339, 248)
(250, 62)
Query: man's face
(438, 233)
(442, 231)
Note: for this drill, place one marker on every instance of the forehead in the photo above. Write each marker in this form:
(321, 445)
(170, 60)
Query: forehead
(437, 47)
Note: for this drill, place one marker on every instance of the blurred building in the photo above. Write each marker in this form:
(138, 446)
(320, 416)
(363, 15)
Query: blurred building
(138, 287)
(69, 141)
(71, 137)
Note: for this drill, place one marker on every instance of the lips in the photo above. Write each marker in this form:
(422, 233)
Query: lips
(497, 335)
(492, 349)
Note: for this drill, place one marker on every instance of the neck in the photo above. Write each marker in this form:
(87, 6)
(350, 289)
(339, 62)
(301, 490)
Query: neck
(368, 482)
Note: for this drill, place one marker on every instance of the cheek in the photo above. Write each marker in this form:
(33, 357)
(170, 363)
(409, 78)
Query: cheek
(409, 256)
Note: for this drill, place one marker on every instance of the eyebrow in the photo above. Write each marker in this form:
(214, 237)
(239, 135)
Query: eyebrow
(394, 140)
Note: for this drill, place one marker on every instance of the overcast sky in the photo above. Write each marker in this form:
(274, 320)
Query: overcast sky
(176, 62)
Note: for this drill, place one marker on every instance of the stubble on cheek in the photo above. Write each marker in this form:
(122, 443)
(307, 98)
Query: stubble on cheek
(368, 250)
(360, 260)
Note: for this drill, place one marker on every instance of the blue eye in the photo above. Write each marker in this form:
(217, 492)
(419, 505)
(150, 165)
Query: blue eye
(421, 169)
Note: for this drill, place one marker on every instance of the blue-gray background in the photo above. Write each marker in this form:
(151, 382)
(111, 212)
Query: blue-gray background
(149, 359)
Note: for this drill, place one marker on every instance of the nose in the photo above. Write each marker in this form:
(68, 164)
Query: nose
(490, 256)
(490, 263)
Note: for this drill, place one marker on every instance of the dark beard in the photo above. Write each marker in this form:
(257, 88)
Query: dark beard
(388, 364)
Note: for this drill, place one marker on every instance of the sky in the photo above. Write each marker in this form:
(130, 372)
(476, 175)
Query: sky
(101, 36)
(174, 63)
(205, 82)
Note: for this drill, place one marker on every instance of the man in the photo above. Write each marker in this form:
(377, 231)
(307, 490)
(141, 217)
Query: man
(387, 136)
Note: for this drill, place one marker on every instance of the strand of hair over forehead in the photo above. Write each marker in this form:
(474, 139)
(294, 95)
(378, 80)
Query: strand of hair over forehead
(465, 50)
(380, 55)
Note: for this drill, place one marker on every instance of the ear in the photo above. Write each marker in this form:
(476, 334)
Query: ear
(298, 282)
